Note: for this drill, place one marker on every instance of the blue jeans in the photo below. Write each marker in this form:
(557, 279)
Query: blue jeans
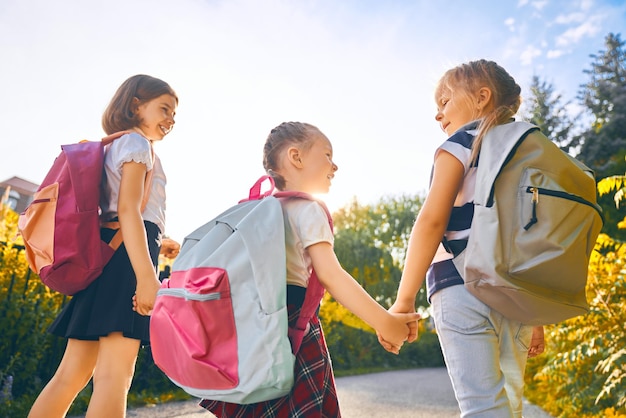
(485, 354)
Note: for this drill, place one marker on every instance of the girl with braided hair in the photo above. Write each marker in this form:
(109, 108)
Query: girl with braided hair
(299, 157)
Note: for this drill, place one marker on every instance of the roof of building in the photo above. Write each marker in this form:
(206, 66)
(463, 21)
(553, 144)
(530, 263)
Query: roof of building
(20, 185)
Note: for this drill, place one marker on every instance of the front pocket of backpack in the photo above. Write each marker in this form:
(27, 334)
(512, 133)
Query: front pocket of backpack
(550, 246)
(193, 330)
(36, 226)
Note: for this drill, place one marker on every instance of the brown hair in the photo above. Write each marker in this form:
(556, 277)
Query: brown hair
(120, 113)
(469, 78)
(281, 137)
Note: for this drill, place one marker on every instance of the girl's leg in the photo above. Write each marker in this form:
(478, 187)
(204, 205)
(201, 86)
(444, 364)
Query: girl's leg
(72, 375)
(112, 376)
(470, 345)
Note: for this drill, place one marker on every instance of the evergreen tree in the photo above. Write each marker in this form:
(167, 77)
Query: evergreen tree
(545, 109)
(603, 144)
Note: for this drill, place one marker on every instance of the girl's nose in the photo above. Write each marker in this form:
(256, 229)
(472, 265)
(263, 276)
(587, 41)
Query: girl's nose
(335, 168)
(438, 116)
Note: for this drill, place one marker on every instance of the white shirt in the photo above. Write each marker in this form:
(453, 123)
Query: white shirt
(305, 224)
(127, 148)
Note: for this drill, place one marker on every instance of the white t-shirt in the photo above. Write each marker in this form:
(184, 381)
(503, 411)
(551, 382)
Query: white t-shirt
(132, 147)
(305, 224)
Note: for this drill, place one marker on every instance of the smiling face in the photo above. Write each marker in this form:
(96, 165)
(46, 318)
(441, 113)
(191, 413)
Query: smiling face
(156, 116)
(318, 168)
(454, 109)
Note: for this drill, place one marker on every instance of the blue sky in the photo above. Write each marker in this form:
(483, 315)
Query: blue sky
(363, 71)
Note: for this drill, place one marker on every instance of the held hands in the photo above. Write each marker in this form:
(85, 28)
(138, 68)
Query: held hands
(145, 295)
(403, 326)
(405, 315)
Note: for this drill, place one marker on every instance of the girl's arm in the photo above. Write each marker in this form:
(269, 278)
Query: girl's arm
(427, 233)
(347, 291)
(134, 234)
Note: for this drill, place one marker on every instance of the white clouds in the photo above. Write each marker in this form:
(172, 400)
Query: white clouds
(555, 53)
(529, 54)
(570, 18)
(586, 22)
(589, 28)
(559, 28)
(587, 4)
(539, 5)
(510, 23)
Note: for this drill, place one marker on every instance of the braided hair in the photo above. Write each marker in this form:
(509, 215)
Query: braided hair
(280, 138)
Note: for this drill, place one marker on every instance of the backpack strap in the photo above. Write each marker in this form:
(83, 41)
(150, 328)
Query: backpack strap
(314, 291)
(117, 239)
(255, 190)
(498, 147)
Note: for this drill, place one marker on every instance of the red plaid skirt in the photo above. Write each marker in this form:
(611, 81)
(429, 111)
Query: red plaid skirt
(313, 395)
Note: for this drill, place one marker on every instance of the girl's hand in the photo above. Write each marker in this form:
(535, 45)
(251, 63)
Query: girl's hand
(397, 331)
(145, 295)
(537, 342)
(408, 307)
(169, 248)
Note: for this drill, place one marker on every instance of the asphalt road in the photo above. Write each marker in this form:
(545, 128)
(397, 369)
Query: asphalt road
(417, 393)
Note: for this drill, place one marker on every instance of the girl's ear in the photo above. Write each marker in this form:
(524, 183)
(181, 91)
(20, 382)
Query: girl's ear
(483, 98)
(294, 156)
(134, 105)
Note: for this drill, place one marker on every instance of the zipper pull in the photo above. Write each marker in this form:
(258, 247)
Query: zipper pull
(535, 200)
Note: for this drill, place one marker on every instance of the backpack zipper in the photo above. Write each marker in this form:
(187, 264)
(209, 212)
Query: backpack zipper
(536, 191)
(46, 200)
(534, 200)
(187, 295)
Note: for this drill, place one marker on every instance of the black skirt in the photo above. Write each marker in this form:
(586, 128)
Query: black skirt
(106, 306)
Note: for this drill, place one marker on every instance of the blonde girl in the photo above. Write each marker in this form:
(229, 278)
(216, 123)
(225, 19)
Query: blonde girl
(300, 158)
(106, 323)
(485, 353)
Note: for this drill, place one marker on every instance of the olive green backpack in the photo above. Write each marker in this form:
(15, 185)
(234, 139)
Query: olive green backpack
(536, 220)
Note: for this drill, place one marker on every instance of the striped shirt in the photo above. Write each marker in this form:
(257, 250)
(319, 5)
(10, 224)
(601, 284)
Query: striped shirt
(442, 272)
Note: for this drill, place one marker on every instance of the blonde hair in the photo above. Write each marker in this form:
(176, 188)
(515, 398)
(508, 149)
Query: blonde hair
(280, 138)
(468, 78)
(120, 114)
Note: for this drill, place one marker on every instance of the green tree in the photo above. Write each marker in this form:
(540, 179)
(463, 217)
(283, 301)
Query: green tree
(603, 144)
(545, 109)
(370, 243)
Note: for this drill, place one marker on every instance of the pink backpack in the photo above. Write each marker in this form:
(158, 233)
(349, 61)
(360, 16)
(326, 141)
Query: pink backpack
(219, 327)
(61, 226)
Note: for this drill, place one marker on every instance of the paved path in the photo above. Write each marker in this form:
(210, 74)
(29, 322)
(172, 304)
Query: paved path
(417, 393)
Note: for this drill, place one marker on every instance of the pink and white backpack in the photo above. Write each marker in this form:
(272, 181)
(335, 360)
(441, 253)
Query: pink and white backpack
(219, 327)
